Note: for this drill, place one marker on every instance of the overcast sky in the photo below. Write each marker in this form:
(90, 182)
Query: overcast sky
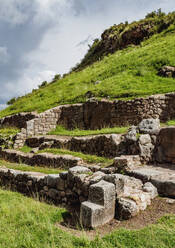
(40, 38)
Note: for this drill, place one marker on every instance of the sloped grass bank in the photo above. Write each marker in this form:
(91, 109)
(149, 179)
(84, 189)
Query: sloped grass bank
(126, 74)
(24, 167)
(27, 223)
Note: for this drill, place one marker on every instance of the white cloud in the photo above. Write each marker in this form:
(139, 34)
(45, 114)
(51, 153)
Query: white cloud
(4, 56)
(13, 11)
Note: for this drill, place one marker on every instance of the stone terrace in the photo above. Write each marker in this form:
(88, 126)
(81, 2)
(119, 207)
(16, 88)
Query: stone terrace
(121, 190)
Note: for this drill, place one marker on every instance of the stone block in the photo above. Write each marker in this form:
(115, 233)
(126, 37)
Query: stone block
(52, 180)
(92, 215)
(102, 193)
(126, 208)
(100, 207)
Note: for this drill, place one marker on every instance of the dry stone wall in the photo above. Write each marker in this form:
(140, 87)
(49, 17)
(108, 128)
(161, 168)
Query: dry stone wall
(17, 120)
(41, 159)
(100, 196)
(99, 114)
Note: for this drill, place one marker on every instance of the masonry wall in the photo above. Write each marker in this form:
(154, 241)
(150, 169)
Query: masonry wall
(99, 114)
(17, 120)
(57, 189)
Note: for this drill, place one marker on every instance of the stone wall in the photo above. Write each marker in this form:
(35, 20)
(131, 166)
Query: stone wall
(101, 196)
(41, 159)
(109, 145)
(58, 188)
(99, 114)
(17, 120)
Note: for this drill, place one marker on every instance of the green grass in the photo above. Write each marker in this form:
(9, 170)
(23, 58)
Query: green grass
(8, 131)
(60, 130)
(170, 123)
(26, 223)
(25, 149)
(126, 74)
(23, 167)
(86, 157)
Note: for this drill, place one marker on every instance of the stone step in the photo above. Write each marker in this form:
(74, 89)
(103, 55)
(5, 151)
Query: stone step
(161, 176)
(41, 159)
(107, 145)
(100, 207)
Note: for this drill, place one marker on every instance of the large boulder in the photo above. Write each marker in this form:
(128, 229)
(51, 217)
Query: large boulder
(149, 126)
(165, 148)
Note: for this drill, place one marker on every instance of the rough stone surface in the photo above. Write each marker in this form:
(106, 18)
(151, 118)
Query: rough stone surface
(99, 114)
(17, 120)
(109, 145)
(149, 126)
(132, 134)
(165, 147)
(126, 162)
(162, 177)
(132, 195)
(146, 148)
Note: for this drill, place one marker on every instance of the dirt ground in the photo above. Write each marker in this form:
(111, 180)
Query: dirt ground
(155, 211)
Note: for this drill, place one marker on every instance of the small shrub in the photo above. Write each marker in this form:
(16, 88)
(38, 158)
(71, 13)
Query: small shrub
(11, 101)
(43, 84)
(57, 77)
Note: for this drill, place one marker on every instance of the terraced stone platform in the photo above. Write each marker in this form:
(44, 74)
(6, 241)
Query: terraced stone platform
(107, 145)
(41, 159)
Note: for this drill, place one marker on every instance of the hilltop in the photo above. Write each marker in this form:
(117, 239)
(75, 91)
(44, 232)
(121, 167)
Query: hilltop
(124, 64)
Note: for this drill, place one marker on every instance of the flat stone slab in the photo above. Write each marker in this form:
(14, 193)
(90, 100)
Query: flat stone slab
(162, 177)
(36, 175)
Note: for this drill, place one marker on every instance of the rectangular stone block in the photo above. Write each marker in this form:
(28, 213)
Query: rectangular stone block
(92, 215)
(102, 193)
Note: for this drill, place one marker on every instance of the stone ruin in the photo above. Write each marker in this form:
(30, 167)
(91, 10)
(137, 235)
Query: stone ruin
(143, 159)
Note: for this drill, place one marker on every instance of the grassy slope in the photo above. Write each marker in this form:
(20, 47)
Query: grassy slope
(31, 224)
(24, 167)
(60, 130)
(128, 73)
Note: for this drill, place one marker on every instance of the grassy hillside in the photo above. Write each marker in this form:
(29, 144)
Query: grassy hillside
(120, 36)
(128, 73)
(26, 223)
